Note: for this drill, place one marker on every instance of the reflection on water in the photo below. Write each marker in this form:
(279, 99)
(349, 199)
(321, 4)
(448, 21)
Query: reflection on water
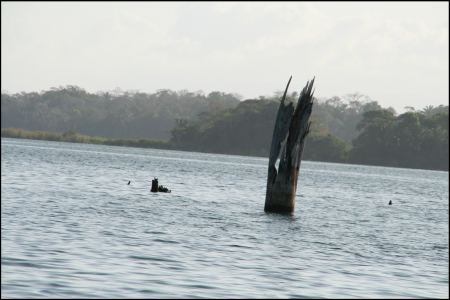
(73, 227)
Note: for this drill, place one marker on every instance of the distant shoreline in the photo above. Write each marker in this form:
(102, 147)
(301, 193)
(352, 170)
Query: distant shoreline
(74, 137)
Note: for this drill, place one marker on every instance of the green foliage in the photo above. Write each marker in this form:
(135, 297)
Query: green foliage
(74, 137)
(118, 115)
(352, 129)
(244, 130)
(413, 139)
(325, 148)
(341, 115)
(247, 130)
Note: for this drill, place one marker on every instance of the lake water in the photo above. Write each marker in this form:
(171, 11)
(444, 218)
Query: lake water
(72, 227)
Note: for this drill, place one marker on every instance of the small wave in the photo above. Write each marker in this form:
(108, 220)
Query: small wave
(165, 241)
(199, 286)
(240, 246)
(24, 263)
(154, 232)
(91, 273)
(149, 258)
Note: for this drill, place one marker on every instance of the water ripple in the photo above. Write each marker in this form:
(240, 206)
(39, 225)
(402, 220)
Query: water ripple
(72, 227)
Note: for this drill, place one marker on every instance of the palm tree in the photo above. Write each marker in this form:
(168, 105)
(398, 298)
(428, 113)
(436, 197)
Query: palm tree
(428, 110)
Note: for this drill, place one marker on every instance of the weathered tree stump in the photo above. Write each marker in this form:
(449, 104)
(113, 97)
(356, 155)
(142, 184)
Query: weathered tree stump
(154, 188)
(158, 188)
(289, 133)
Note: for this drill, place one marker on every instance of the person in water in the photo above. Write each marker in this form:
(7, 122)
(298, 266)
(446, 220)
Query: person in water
(390, 202)
(129, 181)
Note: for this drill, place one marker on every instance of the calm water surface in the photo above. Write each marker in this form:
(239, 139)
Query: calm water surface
(72, 227)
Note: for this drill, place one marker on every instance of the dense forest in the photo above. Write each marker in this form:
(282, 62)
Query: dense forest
(351, 129)
(413, 139)
(109, 114)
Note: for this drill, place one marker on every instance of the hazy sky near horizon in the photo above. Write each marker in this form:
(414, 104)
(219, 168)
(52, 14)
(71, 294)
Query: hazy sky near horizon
(395, 53)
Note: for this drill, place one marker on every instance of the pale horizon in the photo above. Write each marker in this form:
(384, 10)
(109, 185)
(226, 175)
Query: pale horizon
(394, 53)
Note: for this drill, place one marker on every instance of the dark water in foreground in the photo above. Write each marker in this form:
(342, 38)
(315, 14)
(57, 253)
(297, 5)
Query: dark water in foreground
(72, 227)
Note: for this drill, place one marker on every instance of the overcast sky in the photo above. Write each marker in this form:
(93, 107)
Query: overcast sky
(396, 53)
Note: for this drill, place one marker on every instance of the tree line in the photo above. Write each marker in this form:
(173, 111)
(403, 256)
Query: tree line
(349, 129)
(415, 139)
(108, 114)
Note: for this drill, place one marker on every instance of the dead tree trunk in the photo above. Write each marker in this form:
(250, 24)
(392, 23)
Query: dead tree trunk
(154, 188)
(289, 133)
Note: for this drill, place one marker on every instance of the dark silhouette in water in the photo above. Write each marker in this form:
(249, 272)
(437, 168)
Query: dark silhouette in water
(158, 188)
(288, 138)
(163, 189)
(129, 182)
(154, 188)
(390, 202)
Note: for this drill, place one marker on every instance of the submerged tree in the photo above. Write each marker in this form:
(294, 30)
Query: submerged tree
(291, 128)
